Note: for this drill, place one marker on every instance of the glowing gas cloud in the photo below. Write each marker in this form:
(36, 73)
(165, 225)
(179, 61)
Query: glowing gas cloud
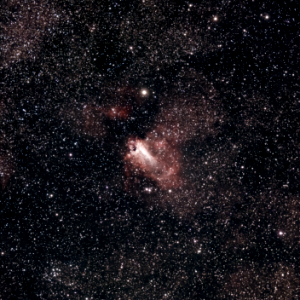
(158, 156)
(153, 158)
(154, 166)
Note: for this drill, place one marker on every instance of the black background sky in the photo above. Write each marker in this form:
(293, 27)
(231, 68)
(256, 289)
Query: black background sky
(69, 228)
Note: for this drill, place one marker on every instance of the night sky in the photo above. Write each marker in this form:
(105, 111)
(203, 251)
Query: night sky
(149, 149)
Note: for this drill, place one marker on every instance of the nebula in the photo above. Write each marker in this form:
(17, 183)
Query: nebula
(158, 156)
(120, 102)
(155, 169)
(97, 116)
(154, 158)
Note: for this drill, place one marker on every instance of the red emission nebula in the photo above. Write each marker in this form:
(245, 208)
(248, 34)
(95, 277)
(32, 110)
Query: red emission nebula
(158, 157)
(153, 158)
(155, 161)
(118, 105)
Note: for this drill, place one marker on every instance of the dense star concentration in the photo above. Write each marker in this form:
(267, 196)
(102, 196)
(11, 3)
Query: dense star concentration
(149, 149)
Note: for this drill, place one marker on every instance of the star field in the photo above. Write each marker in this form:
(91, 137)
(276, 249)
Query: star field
(149, 150)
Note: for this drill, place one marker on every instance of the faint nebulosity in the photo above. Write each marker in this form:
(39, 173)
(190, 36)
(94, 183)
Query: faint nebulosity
(149, 150)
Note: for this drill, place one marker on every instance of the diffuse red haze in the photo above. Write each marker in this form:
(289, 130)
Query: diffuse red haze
(153, 165)
(126, 100)
(117, 104)
(154, 158)
(158, 156)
